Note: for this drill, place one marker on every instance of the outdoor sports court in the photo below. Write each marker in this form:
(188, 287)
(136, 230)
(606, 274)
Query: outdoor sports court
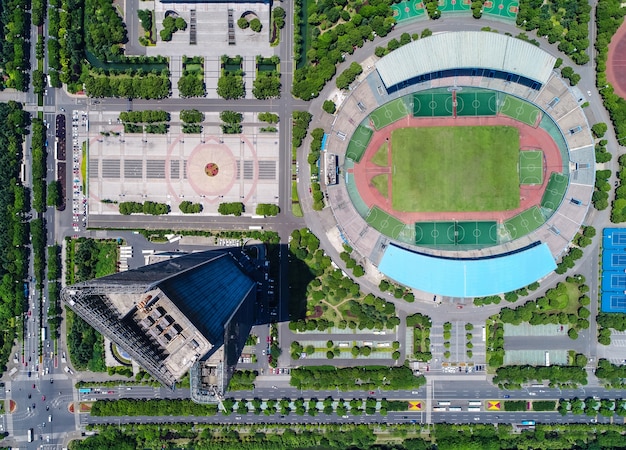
(531, 167)
(359, 142)
(555, 190)
(456, 233)
(436, 104)
(614, 270)
(524, 223)
(454, 5)
(476, 103)
(407, 10)
(505, 9)
(388, 113)
(389, 225)
(520, 110)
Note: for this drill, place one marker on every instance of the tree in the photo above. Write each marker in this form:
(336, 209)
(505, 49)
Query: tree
(329, 106)
(243, 23)
(266, 85)
(235, 208)
(231, 87)
(191, 86)
(599, 129)
(255, 25)
(54, 194)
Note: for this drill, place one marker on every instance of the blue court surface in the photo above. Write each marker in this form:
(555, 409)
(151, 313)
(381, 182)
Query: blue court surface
(466, 277)
(614, 270)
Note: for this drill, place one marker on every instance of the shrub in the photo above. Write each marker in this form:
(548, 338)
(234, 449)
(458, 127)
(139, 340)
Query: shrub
(243, 23)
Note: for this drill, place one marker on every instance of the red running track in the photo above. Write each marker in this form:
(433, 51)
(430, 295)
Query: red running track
(530, 138)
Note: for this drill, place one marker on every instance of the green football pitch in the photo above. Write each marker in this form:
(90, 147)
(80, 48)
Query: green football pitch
(450, 169)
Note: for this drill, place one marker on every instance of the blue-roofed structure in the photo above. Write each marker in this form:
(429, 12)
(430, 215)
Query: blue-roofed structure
(467, 277)
(614, 270)
(209, 294)
(182, 312)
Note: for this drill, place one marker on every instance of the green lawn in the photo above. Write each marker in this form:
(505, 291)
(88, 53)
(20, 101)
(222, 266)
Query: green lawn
(380, 157)
(380, 183)
(455, 168)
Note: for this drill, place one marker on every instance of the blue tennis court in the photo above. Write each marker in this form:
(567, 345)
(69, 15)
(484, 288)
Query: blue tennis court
(618, 281)
(618, 260)
(619, 238)
(614, 270)
(618, 303)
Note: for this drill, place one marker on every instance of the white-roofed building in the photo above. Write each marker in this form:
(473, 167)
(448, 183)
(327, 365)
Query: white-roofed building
(466, 53)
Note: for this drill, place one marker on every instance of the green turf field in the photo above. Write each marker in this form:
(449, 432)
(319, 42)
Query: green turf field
(455, 169)
(476, 104)
(386, 224)
(531, 167)
(555, 190)
(358, 143)
(524, 222)
(388, 113)
(520, 110)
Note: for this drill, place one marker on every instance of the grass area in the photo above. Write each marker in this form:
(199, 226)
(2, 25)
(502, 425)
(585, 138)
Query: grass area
(380, 157)
(83, 168)
(380, 182)
(455, 168)
(296, 209)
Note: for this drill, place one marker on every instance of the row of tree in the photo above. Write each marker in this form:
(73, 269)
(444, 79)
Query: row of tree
(609, 17)
(602, 187)
(301, 120)
(15, 44)
(618, 207)
(128, 84)
(317, 135)
(267, 209)
(14, 230)
(232, 208)
(512, 377)
(144, 407)
(145, 116)
(187, 207)
(148, 207)
(355, 378)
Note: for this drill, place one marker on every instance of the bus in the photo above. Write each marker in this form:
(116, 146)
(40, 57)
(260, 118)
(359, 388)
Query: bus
(43, 334)
(475, 403)
(84, 391)
(255, 227)
(439, 409)
(455, 408)
(443, 403)
(30, 435)
(530, 423)
(473, 409)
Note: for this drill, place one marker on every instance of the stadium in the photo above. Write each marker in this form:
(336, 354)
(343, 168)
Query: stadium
(462, 175)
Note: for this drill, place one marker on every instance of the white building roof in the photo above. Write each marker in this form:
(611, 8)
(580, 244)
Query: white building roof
(465, 49)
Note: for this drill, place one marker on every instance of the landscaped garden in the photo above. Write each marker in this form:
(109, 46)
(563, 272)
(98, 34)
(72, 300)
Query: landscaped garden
(230, 85)
(267, 82)
(191, 84)
(323, 297)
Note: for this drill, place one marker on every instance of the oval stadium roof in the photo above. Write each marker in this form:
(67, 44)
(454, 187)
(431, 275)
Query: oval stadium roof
(465, 50)
(467, 277)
